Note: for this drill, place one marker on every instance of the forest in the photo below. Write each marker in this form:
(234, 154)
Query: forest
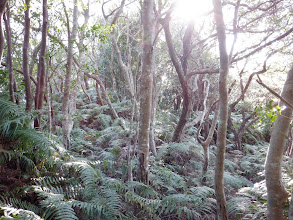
(146, 109)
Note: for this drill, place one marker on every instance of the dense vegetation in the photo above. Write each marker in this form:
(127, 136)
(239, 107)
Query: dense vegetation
(118, 113)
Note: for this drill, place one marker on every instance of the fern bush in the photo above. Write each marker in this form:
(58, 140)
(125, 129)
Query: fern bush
(21, 142)
(253, 162)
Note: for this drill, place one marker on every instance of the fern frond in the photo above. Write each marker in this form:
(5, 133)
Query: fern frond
(52, 199)
(231, 166)
(236, 181)
(22, 214)
(238, 205)
(10, 201)
(193, 207)
(168, 178)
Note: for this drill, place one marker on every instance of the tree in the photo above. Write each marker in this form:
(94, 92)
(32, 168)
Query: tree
(223, 112)
(40, 90)
(2, 9)
(25, 57)
(181, 69)
(12, 83)
(146, 88)
(277, 194)
(67, 122)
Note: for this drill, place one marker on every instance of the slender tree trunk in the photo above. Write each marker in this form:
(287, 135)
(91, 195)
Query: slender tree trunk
(25, 58)
(153, 119)
(223, 112)
(9, 56)
(67, 119)
(181, 69)
(2, 10)
(146, 90)
(81, 48)
(98, 80)
(290, 214)
(289, 152)
(85, 92)
(99, 97)
(51, 111)
(86, 83)
(206, 145)
(33, 58)
(155, 94)
(277, 194)
(114, 83)
(40, 90)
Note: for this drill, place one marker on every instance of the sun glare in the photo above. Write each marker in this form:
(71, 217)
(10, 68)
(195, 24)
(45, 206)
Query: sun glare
(192, 9)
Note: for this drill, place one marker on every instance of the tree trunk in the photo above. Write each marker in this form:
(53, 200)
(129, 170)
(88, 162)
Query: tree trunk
(67, 119)
(153, 118)
(99, 98)
(277, 194)
(181, 69)
(40, 90)
(223, 112)
(51, 110)
(9, 56)
(25, 58)
(98, 80)
(146, 90)
(290, 214)
(2, 9)
(206, 145)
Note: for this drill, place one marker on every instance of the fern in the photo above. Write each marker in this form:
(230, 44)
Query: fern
(17, 208)
(237, 206)
(22, 214)
(105, 120)
(52, 200)
(231, 166)
(189, 205)
(236, 181)
(166, 178)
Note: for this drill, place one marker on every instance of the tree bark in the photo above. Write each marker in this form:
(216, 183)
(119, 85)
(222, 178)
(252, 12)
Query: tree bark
(25, 58)
(99, 98)
(277, 194)
(40, 90)
(290, 214)
(205, 145)
(2, 10)
(181, 69)
(12, 85)
(223, 112)
(146, 90)
(67, 122)
(100, 83)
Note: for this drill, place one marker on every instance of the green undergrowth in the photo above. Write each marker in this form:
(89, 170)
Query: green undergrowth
(90, 180)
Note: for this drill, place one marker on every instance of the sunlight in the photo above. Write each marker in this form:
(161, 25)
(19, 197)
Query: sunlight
(192, 9)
